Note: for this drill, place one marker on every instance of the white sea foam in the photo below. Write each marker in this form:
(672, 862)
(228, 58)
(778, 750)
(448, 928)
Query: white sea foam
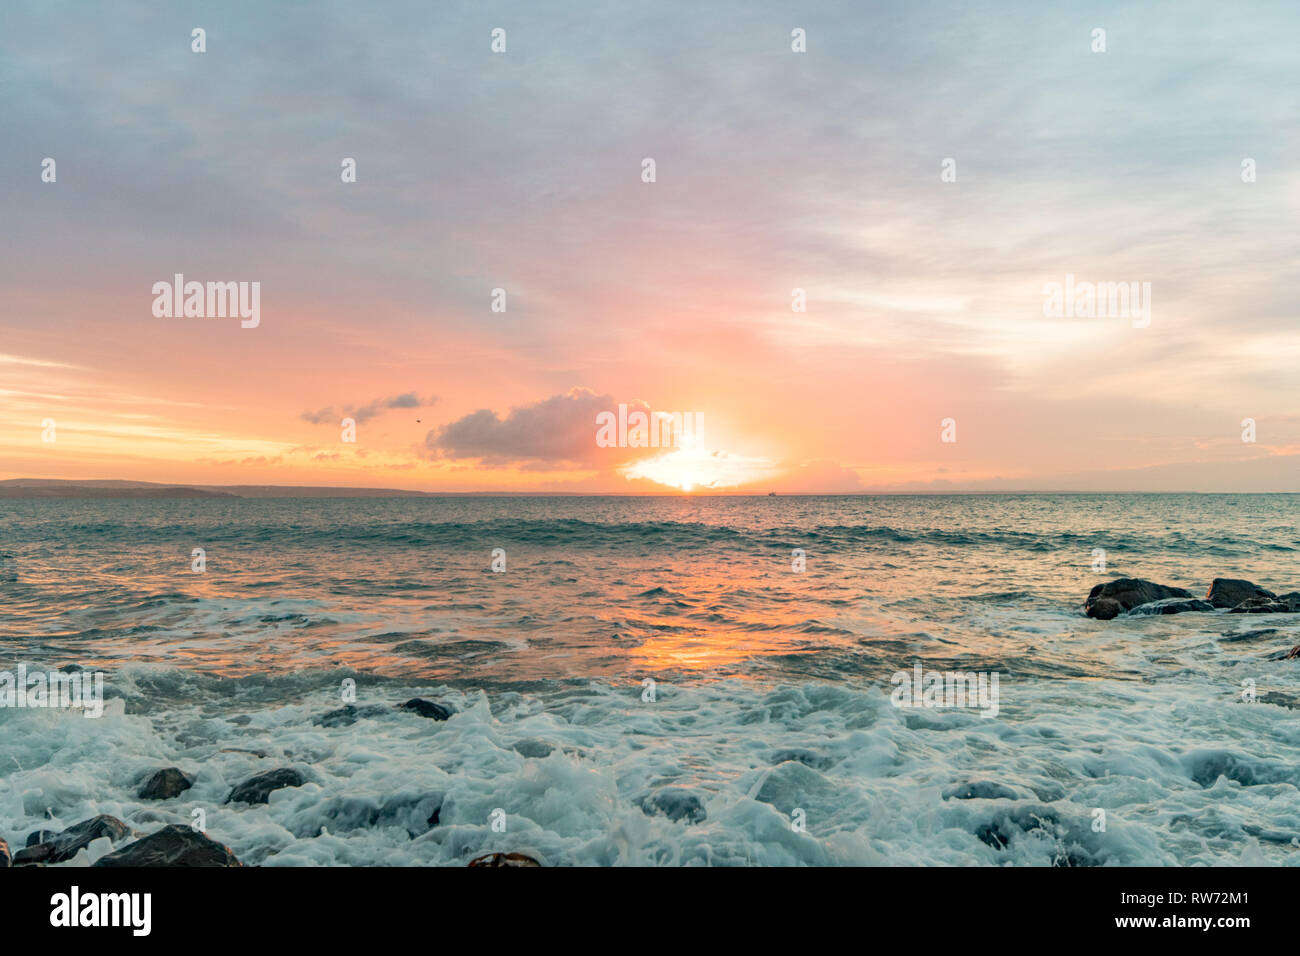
(1185, 773)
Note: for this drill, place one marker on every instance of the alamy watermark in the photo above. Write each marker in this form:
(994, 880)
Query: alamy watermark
(212, 300)
(1099, 300)
(920, 688)
(53, 690)
(645, 429)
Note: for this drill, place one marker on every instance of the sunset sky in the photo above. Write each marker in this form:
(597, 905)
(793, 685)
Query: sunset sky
(775, 170)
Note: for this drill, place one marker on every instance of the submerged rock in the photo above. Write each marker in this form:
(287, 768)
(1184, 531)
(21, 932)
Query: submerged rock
(1171, 606)
(1278, 604)
(504, 859)
(175, 845)
(674, 803)
(427, 708)
(532, 748)
(808, 758)
(258, 789)
(1109, 600)
(347, 714)
(980, 790)
(165, 784)
(66, 845)
(1229, 592)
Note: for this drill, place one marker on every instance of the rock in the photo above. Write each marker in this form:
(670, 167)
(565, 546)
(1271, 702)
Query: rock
(675, 804)
(1111, 599)
(1229, 592)
(40, 836)
(1252, 635)
(65, 845)
(808, 758)
(1292, 654)
(165, 784)
(1279, 604)
(1281, 700)
(980, 790)
(1171, 606)
(175, 845)
(426, 708)
(532, 748)
(258, 789)
(347, 715)
(6, 858)
(504, 859)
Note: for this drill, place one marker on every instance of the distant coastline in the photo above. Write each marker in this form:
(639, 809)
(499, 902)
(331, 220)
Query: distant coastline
(51, 488)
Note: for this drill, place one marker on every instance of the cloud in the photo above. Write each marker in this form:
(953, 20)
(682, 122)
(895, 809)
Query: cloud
(363, 413)
(560, 430)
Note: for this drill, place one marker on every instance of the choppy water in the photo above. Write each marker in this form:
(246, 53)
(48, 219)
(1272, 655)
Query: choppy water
(772, 687)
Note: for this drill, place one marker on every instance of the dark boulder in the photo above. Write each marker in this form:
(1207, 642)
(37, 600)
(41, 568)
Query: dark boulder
(1113, 598)
(66, 845)
(1229, 592)
(6, 858)
(174, 845)
(258, 789)
(165, 784)
(504, 859)
(427, 708)
(40, 836)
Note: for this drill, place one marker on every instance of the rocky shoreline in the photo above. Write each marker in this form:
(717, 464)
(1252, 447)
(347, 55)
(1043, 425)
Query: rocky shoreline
(182, 845)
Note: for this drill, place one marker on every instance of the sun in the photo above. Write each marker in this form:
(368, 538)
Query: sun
(690, 468)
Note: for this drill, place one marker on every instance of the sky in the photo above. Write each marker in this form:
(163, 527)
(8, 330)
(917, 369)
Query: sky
(774, 171)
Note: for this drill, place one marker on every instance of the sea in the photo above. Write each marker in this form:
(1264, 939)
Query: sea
(666, 681)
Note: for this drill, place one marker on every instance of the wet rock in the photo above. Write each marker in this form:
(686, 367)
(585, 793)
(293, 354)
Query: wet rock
(412, 811)
(427, 708)
(6, 858)
(808, 758)
(1270, 836)
(65, 845)
(165, 784)
(504, 859)
(1207, 766)
(1253, 635)
(1279, 604)
(1280, 699)
(1229, 592)
(175, 845)
(674, 803)
(1171, 606)
(40, 836)
(980, 790)
(1007, 825)
(1292, 654)
(347, 715)
(241, 750)
(532, 748)
(1109, 600)
(258, 789)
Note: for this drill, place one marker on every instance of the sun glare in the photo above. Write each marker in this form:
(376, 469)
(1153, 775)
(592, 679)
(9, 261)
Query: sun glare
(688, 469)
